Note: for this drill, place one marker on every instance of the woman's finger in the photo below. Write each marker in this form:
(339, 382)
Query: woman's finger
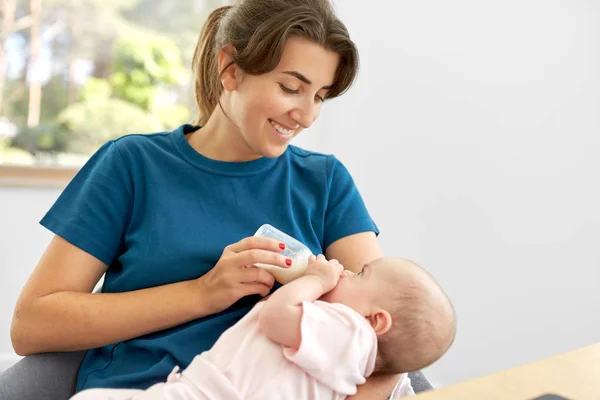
(256, 242)
(256, 275)
(255, 256)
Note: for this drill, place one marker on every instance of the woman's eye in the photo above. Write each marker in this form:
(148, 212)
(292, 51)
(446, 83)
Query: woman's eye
(295, 91)
(288, 90)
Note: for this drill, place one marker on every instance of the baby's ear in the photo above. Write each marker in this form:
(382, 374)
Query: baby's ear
(380, 320)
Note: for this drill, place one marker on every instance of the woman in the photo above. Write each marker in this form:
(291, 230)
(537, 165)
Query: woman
(154, 212)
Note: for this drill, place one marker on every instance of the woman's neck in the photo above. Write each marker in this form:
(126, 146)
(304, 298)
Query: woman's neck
(219, 139)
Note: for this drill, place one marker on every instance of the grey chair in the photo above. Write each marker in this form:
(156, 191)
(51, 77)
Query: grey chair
(52, 376)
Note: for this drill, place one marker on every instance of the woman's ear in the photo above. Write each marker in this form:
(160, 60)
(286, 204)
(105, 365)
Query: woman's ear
(227, 69)
(380, 320)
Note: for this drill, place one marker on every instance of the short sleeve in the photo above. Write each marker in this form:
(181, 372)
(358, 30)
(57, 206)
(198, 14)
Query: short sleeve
(346, 212)
(338, 347)
(93, 211)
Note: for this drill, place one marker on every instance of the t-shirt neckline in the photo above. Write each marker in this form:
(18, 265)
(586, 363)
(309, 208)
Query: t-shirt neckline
(232, 168)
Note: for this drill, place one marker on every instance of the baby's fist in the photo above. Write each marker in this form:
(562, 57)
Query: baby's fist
(328, 271)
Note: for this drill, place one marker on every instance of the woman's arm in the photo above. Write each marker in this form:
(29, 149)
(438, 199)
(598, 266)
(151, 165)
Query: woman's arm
(57, 312)
(353, 252)
(376, 388)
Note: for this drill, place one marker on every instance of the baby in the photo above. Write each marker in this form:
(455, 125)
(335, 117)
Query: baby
(318, 337)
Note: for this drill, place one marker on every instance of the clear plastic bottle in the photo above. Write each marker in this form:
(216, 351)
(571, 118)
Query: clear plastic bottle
(294, 249)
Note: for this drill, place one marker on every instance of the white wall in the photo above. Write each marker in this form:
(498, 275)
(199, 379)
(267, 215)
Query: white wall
(22, 241)
(474, 134)
(475, 138)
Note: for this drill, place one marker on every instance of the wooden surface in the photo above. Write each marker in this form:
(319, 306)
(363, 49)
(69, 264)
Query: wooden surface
(17, 176)
(574, 375)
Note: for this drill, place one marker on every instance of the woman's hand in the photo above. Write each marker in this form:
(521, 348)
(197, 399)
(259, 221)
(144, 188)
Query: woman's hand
(328, 271)
(235, 276)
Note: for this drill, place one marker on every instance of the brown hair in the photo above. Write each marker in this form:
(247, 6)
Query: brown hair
(423, 322)
(258, 30)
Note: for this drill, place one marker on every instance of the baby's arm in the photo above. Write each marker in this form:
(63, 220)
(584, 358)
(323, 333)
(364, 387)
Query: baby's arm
(281, 315)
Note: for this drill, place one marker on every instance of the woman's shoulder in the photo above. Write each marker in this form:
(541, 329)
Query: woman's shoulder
(317, 160)
(296, 151)
(312, 158)
(131, 141)
(151, 146)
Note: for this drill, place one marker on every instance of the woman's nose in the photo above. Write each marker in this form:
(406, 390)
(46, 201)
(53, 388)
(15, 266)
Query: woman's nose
(305, 114)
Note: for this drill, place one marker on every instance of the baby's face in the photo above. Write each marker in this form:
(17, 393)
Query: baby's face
(359, 291)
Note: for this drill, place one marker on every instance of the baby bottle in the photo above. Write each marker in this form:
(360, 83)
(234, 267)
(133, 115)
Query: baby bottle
(295, 250)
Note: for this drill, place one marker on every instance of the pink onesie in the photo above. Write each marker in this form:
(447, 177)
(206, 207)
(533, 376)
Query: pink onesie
(337, 351)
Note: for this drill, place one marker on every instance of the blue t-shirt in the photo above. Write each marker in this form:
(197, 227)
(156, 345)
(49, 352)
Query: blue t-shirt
(156, 212)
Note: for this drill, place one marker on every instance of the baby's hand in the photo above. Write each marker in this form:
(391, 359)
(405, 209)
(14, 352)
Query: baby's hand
(328, 271)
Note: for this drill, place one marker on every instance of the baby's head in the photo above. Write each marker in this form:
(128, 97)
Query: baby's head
(410, 313)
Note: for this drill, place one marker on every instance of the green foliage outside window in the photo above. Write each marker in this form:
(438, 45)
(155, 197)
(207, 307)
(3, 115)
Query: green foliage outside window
(74, 74)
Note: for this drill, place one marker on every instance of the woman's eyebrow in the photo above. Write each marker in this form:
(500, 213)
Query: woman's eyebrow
(304, 79)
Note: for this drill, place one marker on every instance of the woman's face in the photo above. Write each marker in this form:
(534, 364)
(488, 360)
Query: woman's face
(271, 109)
